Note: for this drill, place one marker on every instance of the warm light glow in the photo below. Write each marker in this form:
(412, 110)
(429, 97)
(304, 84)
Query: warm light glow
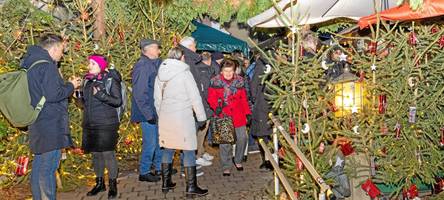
(349, 97)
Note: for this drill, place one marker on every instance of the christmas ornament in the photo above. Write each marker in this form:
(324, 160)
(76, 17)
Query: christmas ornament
(17, 34)
(397, 130)
(413, 40)
(434, 30)
(382, 103)
(354, 109)
(439, 185)
(22, 165)
(370, 188)
(77, 151)
(372, 47)
(346, 148)
(305, 104)
(355, 129)
(441, 41)
(343, 57)
(292, 127)
(299, 164)
(121, 36)
(412, 114)
(324, 65)
(301, 52)
(410, 193)
(175, 41)
(306, 128)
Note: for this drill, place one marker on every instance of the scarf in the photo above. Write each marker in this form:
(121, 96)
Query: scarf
(230, 86)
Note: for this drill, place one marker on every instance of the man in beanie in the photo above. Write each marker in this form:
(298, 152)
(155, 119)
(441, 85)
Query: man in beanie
(143, 110)
(50, 133)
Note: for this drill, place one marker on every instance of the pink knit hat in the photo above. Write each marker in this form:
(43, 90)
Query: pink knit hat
(100, 60)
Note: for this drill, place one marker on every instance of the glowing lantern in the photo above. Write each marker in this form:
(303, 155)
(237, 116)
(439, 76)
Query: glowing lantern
(349, 93)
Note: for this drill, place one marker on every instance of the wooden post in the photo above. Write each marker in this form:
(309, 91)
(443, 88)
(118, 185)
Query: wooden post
(99, 16)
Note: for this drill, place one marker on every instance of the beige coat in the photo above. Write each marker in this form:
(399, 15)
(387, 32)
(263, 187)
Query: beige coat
(177, 129)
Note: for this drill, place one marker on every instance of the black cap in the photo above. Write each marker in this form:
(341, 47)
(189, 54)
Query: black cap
(146, 42)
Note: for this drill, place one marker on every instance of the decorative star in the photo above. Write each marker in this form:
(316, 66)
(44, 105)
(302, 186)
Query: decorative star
(373, 67)
(339, 161)
(354, 109)
(342, 57)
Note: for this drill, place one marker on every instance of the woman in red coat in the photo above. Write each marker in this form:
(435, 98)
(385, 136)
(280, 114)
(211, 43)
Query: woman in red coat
(227, 96)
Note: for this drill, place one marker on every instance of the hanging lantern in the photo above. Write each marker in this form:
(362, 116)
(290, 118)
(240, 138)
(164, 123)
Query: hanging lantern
(22, 165)
(349, 94)
(382, 103)
(292, 127)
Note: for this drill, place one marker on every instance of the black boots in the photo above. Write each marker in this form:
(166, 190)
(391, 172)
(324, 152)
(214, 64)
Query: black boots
(192, 189)
(266, 165)
(167, 182)
(112, 193)
(99, 187)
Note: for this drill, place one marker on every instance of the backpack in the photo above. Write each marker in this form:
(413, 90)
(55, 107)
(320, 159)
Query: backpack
(121, 108)
(15, 100)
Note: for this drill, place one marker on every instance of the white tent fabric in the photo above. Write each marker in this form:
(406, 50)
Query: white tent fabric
(316, 11)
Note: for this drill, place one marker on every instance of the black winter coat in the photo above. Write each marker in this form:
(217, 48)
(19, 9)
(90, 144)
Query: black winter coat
(50, 131)
(202, 74)
(100, 119)
(260, 123)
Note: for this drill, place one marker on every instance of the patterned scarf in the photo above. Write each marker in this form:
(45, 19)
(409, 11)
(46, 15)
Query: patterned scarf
(230, 86)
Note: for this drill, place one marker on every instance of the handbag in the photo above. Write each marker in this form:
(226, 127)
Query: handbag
(223, 130)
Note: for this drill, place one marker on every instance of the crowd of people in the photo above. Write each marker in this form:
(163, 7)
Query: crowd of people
(172, 100)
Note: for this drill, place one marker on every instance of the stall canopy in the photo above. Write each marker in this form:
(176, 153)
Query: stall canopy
(210, 39)
(316, 11)
(430, 8)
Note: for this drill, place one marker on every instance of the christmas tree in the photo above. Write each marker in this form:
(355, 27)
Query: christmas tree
(396, 137)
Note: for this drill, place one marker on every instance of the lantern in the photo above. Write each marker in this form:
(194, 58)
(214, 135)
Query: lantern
(349, 93)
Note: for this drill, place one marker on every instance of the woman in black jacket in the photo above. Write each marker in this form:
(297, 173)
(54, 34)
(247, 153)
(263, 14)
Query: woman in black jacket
(101, 96)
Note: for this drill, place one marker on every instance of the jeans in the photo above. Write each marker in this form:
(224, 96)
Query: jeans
(189, 157)
(151, 152)
(226, 149)
(43, 179)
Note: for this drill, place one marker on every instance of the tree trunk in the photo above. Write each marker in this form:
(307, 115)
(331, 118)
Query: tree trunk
(99, 15)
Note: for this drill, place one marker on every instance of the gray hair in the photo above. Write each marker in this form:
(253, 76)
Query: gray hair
(175, 53)
(187, 41)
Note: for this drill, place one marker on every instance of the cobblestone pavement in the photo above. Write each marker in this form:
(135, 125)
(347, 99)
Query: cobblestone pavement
(250, 184)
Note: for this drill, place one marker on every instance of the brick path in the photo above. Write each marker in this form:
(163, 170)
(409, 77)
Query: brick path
(248, 184)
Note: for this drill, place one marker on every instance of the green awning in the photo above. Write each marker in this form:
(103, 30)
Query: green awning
(210, 39)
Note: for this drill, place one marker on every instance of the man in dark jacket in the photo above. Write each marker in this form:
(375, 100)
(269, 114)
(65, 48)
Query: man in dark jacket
(143, 110)
(202, 75)
(260, 125)
(50, 132)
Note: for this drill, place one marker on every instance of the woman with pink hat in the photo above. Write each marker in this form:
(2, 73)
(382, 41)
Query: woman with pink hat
(101, 95)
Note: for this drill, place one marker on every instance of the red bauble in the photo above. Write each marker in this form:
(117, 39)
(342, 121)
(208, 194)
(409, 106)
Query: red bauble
(347, 148)
(373, 47)
(22, 165)
(292, 127)
(434, 29)
(441, 41)
(299, 164)
(413, 40)
(370, 188)
(411, 193)
(382, 103)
